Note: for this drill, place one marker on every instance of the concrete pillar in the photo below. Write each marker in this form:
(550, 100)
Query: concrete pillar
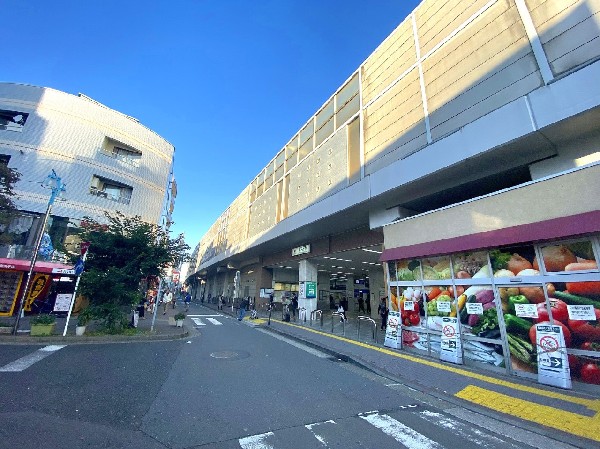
(307, 272)
(377, 288)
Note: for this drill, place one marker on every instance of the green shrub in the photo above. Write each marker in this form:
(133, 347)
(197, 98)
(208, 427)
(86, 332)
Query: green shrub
(43, 319)
(85, 316)
(179, 316)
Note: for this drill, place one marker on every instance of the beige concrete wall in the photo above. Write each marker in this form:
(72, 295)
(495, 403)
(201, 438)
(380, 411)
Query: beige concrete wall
(569, 31)
(565, 195)
(263, 213)
(392, 58)
(481, 69)
(395, 122)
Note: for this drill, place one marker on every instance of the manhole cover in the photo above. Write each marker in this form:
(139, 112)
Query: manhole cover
(224, 355)
(230, 355)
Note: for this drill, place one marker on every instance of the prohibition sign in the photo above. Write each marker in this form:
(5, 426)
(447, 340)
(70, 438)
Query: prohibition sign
(549, 344)
(448, 331)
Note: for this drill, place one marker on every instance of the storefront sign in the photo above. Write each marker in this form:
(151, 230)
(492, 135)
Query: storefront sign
(474, 308)
(393, 334)
(526, 310)
(553, 364)
(304, 249)
(63, 271)
(584, 313)
(63, 302)
(450, 350)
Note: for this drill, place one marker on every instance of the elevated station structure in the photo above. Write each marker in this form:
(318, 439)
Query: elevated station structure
(473, 126)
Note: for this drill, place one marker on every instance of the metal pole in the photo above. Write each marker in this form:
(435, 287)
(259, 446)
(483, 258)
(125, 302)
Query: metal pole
(31, 267)
(73, 297)
(156, 304)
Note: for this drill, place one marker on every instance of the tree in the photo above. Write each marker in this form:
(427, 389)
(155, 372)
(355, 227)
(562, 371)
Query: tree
(124, 251)
(8, 178)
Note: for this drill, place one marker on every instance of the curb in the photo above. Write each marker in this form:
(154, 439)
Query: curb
(439, 396)
(72, 339)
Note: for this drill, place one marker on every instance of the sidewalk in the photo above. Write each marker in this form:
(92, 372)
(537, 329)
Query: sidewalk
(572, 417)
(162, 331)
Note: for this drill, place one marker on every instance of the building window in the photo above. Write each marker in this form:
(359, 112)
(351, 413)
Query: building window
(122, 153)
(12, 120)
(111, 190)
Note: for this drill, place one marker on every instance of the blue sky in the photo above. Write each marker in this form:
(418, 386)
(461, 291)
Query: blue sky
(227, 82)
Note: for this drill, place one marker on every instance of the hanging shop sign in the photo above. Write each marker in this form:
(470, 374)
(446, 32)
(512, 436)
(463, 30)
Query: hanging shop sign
(311, 289)
(553, 364)
(39, 286)
(63, 271)
(393, 334)
(303, 249)
(451, 350)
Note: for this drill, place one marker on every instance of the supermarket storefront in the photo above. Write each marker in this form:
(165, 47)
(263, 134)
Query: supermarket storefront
(496, 267)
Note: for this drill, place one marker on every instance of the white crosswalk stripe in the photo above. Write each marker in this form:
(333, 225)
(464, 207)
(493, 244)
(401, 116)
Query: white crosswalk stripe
(329, 433)
(401, 433)
(28, 360)
(197, 319)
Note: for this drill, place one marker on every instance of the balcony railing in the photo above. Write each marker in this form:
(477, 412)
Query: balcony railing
(129, 160)
(124, 199)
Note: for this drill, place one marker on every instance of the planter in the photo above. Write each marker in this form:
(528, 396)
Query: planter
(5, 330)
(179, 323)
(42, 329)
(79, 330)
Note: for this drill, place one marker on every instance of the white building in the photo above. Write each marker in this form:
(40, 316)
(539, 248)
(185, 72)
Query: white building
(109, 161)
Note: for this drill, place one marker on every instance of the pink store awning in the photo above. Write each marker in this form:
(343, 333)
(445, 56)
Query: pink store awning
(23, 265)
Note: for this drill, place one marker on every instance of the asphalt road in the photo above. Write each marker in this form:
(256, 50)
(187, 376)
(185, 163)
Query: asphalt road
(228, 386)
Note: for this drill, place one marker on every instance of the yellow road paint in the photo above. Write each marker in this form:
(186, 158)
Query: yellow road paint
(592, 404)
(573, 423)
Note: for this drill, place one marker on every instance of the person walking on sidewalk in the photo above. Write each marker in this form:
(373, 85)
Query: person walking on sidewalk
(243, 306)
(167, 298)
(383, 312)
(187, 301)
(294, 306)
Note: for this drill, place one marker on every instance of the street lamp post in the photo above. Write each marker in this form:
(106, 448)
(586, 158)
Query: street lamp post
(54, 182)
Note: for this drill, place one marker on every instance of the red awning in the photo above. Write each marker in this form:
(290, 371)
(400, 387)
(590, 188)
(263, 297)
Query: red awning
(23, 265)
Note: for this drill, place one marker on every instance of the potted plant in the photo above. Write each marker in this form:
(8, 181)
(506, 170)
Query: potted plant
(84, 317)
(179, 319)
(42, 325)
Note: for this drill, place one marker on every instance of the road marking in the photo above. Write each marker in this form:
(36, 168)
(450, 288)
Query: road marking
(28, 360)
(465, 430)
(526, 437)
(215, 322)
(296, 344)
(256, 441)
(198, 322)
(317, 436)
(401, 433)
(574, 423)
(202, 316)
(592, 404)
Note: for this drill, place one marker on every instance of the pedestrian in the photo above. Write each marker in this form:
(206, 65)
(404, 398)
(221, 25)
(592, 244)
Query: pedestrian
(331, 302)
(187, 300)
(243, 306)
(383, 312)
(220, 303)
(342, 311)
(142, 308)
(368, 301)
(167, 298)
(361, 304)
(294, 305)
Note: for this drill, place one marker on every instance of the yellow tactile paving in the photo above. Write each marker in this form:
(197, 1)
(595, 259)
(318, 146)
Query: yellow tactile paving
(573, 423)
(591, 404)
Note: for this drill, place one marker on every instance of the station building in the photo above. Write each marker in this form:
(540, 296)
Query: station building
(469, 137)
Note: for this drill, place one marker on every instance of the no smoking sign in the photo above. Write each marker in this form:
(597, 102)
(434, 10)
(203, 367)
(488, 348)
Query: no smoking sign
(549, 344)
